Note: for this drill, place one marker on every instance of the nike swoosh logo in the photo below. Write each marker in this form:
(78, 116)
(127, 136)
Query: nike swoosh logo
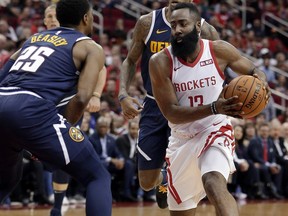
(175, 69)
(214, 124)
(160, 31)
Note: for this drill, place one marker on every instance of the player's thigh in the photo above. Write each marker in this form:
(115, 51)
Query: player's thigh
(86, 167)
(213, 159)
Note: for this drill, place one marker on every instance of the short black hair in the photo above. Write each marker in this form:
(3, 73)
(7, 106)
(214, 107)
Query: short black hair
(70, 12)
(192, 8)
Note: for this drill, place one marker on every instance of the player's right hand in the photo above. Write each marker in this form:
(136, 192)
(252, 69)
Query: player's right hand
(131, 107)
(230, 106)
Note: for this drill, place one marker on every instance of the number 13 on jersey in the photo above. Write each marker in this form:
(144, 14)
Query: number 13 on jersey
(196, 100)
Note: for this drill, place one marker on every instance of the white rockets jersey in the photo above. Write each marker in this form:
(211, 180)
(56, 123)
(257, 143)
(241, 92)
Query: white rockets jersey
(196, 84)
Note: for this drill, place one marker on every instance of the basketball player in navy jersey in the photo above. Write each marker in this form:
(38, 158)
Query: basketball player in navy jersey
(60, 178)
(187, 79)
(51, 65)
(151, 34)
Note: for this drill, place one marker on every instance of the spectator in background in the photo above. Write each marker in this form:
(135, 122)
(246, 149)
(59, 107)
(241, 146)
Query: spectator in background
(247, 175)
(266, 68)
(281, 84)
(281, 152)
(259, 120)
(105, 146)
(14, 7)
(269, 112)
(223, 15)
(8, 30)
(4, 54)
(282, 62)
(249, 132)
(105, 43)
(261, 152)
(119, 34)
(265, 54)
(126, 144)
(23, 30)
(118, 126)
(50, 19)
(26, 14)
(257, 28)
(110, 95)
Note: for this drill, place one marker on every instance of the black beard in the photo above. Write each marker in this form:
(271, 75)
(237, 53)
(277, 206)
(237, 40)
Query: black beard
(187, 46)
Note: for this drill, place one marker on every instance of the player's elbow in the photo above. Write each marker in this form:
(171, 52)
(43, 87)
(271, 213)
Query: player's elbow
(82, 100)
(169, 115)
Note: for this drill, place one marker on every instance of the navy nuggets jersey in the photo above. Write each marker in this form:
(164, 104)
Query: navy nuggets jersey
(157, 39)
(45, 65)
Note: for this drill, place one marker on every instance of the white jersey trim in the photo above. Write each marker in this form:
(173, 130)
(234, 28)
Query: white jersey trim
(151, 26)
(164, 18)
(65, 101)
(17, 92)
(83, 38)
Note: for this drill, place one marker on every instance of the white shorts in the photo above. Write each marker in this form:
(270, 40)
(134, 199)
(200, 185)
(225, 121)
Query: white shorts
(189, 159)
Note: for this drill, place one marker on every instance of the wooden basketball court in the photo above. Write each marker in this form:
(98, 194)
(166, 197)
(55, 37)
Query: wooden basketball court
(251, 208)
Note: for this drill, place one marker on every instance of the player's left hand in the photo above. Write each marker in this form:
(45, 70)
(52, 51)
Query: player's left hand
(267, 88)
(93, 105)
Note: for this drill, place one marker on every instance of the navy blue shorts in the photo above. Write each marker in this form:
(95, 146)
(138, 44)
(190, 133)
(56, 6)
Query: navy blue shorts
(153, 137)
(32, 123)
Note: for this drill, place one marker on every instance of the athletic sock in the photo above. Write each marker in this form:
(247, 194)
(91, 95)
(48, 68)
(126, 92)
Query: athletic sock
(59, 196)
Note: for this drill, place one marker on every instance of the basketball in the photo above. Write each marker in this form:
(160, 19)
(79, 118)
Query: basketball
(250, 91)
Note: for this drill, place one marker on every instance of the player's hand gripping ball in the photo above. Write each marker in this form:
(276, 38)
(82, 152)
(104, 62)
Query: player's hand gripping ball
(250, 91)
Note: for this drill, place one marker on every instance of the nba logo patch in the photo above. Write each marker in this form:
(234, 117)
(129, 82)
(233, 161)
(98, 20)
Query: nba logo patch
(76, 134)
(206, 62)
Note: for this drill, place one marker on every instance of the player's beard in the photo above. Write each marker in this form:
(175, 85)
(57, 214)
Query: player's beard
(187, 46)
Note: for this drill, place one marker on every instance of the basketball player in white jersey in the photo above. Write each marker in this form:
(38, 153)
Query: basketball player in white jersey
(187, 79)
(151, 34)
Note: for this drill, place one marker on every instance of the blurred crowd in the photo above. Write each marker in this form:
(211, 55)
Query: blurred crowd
(261, 174)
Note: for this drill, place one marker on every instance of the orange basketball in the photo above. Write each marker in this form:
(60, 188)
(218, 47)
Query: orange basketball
(251, 93)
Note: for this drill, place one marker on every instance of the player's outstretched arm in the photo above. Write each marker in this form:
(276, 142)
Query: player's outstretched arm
(128, 69)
(89, 59)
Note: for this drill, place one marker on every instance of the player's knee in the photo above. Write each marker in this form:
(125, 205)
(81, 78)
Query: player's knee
(149, 179)
(213, 183)
(147, 183)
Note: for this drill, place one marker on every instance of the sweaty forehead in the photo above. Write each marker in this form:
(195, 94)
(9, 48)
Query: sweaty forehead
(180, 14)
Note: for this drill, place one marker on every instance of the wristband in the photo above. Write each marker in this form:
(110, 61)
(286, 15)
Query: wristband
(96, 94)
(213, 108)
(122, 97)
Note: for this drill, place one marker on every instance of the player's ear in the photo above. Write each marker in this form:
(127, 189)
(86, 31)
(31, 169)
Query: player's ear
(85, 18)
(198, 27)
